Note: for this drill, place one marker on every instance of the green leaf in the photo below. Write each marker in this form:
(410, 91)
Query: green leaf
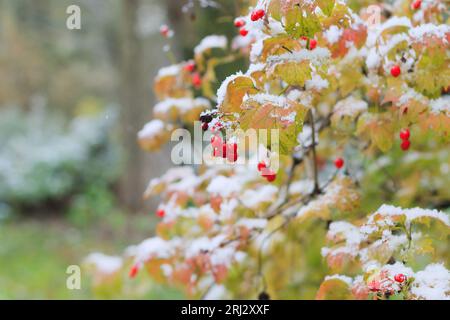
(294, 73)
(301, 22)
(334, 289)
(269, 116)
(326, 6)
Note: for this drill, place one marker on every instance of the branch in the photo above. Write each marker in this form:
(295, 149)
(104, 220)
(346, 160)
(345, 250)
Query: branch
(316, 172)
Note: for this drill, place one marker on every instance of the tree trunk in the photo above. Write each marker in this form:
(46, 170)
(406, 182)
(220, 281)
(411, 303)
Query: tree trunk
(134, 105)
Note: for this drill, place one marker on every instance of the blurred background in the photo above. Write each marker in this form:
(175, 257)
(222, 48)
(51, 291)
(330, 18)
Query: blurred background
(71, 103)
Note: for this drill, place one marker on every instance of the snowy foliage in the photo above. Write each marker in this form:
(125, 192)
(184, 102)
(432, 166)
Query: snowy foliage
(340, 92)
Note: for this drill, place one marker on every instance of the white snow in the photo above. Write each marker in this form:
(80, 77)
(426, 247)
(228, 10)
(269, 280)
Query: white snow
(333, 34)
(316, 83)
(252, 223)
(253, 198)
(224, 186)
(441, 105)
(103, 263)
(172, 70)
(209, 42)
(151, 129)
(222, 91)
(433, 283)
(343, 278)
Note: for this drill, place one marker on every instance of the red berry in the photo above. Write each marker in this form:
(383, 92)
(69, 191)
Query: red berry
(133, 271)
(217, 152)
(400, 277)
(312, 44)
(216, 141)
(339, 163)
(269, 175)
(190, 66)
(405, 134)
(164, 30)
(405, 145)
(160, 213)
(243, 32)
(261, 166)
(254, 16)
(395, 71)
(196, 80)
(232, 154)
(224, 151)
(205, 126)
(239, 23)
(374, 286)
(260, 13)
(416, 4)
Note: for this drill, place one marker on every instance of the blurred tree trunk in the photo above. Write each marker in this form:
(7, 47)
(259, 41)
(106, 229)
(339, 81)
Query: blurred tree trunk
(134, 105)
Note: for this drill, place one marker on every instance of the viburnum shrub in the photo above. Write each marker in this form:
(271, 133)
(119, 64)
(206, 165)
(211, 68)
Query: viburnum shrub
(329, 222)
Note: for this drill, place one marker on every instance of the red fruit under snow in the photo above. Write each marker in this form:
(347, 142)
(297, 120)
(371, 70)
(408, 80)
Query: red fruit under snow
(133, 271)
(190, 66)
(232, 154)
(312, 44)
(205, 126)
(339, 163)
(260, 13)
(416, 4)
(224, 151)
(400, 277)
(405, 134)
(261, 166)
(254, 16)
(243, 32)
(269, 175)
(196, 80)
(239, 23)
(164, 30)
(217, 152)
(395, 71)
(216, 141)
(160, 213)
(405, 145)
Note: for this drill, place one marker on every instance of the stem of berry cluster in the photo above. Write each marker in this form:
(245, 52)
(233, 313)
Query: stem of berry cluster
(314, 154)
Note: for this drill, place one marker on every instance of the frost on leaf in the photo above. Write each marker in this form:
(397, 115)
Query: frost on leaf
(232, 91)
(263, 111)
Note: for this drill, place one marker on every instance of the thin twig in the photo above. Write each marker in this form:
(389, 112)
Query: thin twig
(316, 172)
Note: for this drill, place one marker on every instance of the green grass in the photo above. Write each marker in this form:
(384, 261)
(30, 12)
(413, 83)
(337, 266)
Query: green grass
(35, 253)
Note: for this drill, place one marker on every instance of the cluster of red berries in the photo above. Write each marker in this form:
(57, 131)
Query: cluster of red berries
(404, 135)
(206, 120)
(311, 44)
(225, 150)
(257, 15)
(240, 24)
(416, 4)
(196, 78)
(339, 163)
(266, 173)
